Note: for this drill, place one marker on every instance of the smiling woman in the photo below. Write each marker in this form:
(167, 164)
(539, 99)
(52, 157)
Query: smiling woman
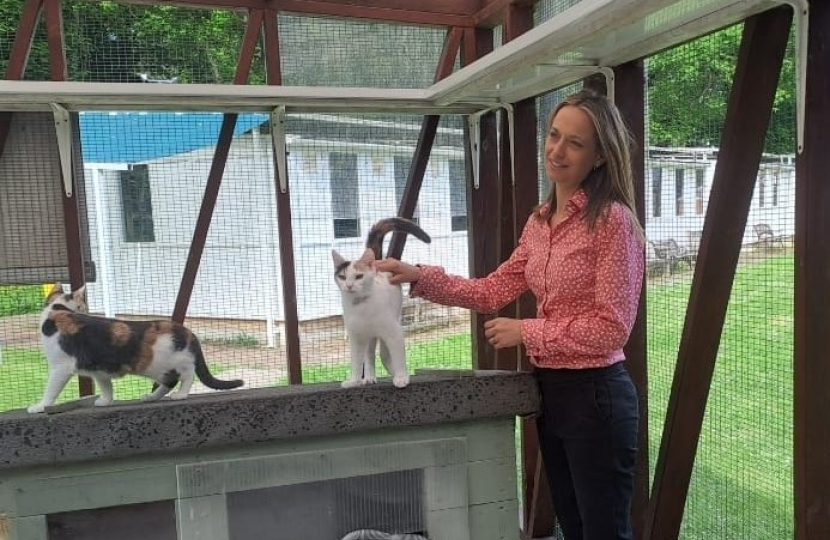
(581, 254)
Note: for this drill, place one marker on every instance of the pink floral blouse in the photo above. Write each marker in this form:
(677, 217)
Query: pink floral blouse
(587, 286)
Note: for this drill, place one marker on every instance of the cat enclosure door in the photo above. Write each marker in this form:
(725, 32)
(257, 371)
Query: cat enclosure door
(32, 233)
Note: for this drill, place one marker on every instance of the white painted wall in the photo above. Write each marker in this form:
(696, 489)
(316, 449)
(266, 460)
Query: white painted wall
(239, 277)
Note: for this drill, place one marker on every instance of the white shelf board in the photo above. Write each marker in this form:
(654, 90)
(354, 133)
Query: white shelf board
(603, 33)
(75, 96)
(558, 52)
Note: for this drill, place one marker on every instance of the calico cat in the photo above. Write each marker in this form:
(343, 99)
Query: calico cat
(104, 348)
(372, 308)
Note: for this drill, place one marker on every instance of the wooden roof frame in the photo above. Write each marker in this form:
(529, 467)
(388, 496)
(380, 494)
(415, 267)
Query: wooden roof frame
(590, 37)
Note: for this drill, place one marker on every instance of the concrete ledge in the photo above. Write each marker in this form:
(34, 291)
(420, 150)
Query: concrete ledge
(251, 416)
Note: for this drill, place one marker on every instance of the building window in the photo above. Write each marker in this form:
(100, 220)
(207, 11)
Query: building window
(401, 174)
(762, 184)
(700, 191)
(656, 191)
(345, 196)
(678, 192)
(458, 194)
(137, 204)
(775, 177)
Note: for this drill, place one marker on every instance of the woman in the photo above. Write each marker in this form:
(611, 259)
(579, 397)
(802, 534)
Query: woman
(581, 254)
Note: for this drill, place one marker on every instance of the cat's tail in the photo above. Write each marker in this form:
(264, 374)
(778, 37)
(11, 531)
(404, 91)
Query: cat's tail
(374, 240)
(205, 375)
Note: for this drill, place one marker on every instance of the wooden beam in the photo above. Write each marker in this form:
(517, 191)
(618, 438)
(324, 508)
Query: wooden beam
(18, 57)
(747, 116)
(23, 39)
(482, 201)
(426, 12)
(54, 37)
(426, 138)
(812, 292)
(214, 180)
(494, 12)
(518, 195)
(71, 211)
(288, 270)
(630, 99)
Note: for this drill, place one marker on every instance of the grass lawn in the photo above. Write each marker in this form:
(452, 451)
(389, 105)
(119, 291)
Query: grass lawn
(742, 482)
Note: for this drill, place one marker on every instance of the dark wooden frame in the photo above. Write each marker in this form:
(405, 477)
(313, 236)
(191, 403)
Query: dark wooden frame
(499, 205)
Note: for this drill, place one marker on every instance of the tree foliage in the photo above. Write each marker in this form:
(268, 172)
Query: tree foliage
(689, 88)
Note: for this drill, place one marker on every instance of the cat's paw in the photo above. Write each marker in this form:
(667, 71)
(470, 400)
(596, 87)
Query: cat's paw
(148, 397)
(177, 396)
(351, 383)
(37, 408)
(369, 380)
(400, 381)
(103, 402)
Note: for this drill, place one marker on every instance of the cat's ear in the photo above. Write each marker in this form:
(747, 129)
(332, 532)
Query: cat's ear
(56, 291)
(337, 258)
(368, 257)
(80, 294)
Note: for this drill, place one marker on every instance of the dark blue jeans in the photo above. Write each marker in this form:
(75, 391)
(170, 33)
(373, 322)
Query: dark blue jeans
(588, 439)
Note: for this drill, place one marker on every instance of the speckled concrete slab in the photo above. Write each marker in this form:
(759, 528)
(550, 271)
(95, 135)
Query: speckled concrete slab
(204, 421)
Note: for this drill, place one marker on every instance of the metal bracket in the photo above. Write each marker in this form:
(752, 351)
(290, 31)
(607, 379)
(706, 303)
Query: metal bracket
(63, 130)
(277, 122)
(474, 124)
(511, 128)
(801, 14)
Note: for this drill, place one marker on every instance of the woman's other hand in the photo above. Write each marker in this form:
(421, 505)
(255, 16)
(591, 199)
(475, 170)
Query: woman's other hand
(503, 332)
(401, 272)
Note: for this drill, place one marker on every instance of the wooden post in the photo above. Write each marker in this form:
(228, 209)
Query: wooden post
(747, 117)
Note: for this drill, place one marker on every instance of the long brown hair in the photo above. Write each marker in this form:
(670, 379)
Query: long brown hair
(614, 179)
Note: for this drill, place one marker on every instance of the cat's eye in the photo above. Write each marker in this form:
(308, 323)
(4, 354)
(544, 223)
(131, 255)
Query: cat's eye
(341, 277)
(358, 276)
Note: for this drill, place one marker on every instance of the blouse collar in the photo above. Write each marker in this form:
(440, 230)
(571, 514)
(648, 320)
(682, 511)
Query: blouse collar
(576, 204)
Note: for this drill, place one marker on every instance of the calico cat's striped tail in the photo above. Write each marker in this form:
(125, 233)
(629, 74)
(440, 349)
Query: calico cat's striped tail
(374, 240)
(204, 373)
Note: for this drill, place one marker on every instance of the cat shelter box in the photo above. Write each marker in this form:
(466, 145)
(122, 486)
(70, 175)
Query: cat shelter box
(435, 460)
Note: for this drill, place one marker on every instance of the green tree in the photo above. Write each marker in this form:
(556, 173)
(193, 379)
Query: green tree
(689, 88)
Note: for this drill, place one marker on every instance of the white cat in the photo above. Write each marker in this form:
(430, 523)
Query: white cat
(372, 308)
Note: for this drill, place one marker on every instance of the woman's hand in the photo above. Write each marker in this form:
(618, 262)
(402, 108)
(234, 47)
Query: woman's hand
(401, 272)
(502, 332)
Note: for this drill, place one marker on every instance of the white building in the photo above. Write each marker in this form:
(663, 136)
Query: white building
(679, 181)
(146, 175)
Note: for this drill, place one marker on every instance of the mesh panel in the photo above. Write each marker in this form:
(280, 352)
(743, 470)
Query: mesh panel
(742, 481)
(319, 51)
(127, 43)
(547, 9)
(146, 174)
(345, 169)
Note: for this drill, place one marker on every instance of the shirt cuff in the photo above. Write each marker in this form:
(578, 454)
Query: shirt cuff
(425, 283)
(539, 335)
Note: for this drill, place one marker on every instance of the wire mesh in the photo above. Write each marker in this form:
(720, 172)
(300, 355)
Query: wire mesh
(146, 175)
(348, 171)
(323, 51)
(547, 9)
(742, 480)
